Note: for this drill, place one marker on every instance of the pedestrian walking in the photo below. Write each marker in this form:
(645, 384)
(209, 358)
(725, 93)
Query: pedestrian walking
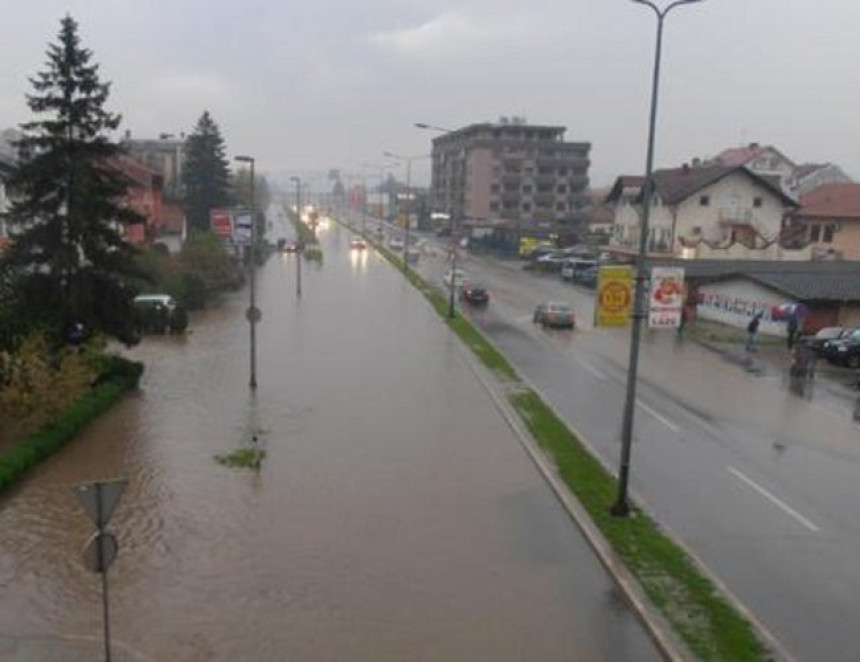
(791, 330)
(752, 332)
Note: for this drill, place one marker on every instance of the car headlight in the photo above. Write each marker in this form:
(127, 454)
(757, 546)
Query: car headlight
(842, 349)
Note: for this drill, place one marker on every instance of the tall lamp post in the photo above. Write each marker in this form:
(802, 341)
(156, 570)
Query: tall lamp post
(408, 160)
(253, 312)
(298, 183)
(450, 205)
(621, 507)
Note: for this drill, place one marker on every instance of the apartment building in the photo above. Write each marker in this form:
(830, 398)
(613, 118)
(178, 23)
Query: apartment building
(509, 172)
(164, 154)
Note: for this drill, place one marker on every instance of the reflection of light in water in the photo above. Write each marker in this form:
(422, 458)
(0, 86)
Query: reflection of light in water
(358, 259)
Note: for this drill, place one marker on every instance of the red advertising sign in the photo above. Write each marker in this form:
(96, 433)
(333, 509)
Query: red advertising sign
(221, 223)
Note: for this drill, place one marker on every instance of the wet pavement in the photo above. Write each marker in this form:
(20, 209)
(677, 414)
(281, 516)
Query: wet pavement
(758, 483)
(395, 516)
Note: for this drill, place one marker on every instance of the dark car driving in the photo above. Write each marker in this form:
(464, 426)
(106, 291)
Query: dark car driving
(475, 294)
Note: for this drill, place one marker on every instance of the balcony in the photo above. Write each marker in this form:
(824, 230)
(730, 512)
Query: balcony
(735, 216)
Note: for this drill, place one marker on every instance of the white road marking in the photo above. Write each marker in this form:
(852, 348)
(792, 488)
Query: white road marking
(758, 488)
(594, 371)
(665, 421)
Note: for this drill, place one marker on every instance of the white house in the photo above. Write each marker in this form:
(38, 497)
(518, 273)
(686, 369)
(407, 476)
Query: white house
(708, 211)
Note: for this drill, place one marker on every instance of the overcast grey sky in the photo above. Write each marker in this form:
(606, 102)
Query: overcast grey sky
(313, 84)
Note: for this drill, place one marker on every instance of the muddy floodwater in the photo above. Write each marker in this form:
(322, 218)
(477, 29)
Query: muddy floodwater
(395, 516)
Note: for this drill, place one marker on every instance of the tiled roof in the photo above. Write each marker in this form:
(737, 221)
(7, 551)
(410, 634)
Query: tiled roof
(674, 185)
(802, 280)
(135, 171)
(735, 156)
(805, 169)
(831, 201)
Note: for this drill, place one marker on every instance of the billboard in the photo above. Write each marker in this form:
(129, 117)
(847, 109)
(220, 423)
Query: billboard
(614, 296)
(232, 225)
(666, 297)
(221, 222)
(242, 227)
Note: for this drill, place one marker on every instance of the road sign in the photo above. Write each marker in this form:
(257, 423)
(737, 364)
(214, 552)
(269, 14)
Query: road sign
(614, 296)
(99, 499)
(99, 560)
(253, 314)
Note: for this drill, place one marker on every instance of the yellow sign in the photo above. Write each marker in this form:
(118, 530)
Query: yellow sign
(614, 296)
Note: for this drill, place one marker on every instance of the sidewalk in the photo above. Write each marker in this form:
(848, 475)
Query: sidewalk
(831, 383)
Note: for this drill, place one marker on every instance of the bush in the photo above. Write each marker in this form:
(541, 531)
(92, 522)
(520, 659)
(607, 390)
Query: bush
(118, 376)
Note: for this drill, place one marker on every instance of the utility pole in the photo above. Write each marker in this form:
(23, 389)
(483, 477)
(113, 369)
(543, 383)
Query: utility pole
(301, 242)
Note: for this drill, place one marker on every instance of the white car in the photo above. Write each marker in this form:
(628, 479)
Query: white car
(396, 244)
(456, 276)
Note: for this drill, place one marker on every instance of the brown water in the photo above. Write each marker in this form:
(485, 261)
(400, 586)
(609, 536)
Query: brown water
(394, 518)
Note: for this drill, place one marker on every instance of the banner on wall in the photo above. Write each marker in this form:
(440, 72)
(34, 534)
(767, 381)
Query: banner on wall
(666, 298)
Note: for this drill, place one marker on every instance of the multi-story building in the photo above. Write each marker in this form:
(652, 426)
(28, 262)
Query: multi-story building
(516, 174)
(165, 155)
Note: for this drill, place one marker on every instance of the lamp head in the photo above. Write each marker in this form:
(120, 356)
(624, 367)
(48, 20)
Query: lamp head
(244, 159)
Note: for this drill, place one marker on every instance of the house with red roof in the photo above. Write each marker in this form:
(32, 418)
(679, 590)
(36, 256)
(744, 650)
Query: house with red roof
(143, 195)
(706, 211)
(829, 220)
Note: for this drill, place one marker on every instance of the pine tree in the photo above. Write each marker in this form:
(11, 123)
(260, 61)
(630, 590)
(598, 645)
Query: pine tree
(206, 175)
(71, 262)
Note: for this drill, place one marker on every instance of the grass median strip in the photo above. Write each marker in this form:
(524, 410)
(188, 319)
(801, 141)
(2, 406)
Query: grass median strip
(708, 624)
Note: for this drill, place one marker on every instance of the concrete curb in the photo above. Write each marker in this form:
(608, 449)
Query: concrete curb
(661, 632)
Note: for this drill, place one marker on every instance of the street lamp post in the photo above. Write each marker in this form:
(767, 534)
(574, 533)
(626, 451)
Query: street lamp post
(253, 312)
(621, 507)
(450, 205)
(298, 183)
(408, 160)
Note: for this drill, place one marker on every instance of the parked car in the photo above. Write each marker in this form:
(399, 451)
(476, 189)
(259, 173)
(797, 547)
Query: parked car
(587, 277)
(817, 341)
(358, 243)
(290, 247)
(475, 294)
(456, 276)
(571, 267)
(844, 350)
(551, 261)
(395, 244)
(555, 314)
(159, 313)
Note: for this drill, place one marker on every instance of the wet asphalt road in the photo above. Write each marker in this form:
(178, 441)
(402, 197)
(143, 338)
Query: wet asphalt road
(762, 486)
(395, 517)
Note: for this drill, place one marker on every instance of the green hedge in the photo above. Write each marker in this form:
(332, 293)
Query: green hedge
(117, 376)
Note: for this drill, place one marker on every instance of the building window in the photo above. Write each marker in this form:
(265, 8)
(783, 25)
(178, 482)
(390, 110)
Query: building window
(562, 171)
(494, 206)
(828, 234)
(527, 188)
(497, 170)
(704, 200)
(560, 206)
(494, 188)
(527, 206)
(757, 201)
(696, 230)
(561, 189)
(814, 233)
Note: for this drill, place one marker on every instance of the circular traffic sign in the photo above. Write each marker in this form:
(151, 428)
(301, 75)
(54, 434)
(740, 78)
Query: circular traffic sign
(253, 314)
(615, 297)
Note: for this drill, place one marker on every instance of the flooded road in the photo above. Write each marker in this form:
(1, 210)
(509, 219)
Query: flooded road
(395, 517)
